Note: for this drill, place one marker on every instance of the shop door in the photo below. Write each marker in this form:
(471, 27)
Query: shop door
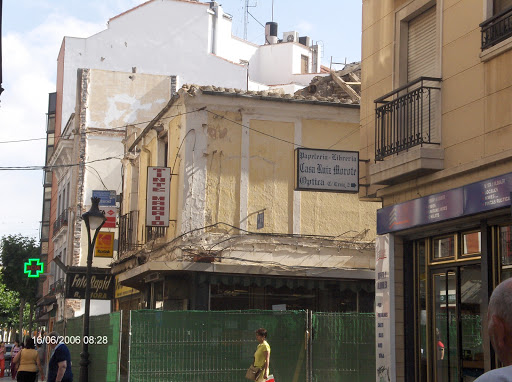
(456, 332)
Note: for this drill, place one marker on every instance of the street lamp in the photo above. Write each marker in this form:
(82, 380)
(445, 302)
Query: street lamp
(94, 220)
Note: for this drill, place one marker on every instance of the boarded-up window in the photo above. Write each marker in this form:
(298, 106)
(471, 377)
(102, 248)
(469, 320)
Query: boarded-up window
(304, 64)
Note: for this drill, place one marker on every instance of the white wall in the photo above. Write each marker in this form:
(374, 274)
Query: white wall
(97, 176)
(175, 38)
(276, 64)
(161, 37)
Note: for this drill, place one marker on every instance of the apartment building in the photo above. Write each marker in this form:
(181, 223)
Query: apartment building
(436, 127)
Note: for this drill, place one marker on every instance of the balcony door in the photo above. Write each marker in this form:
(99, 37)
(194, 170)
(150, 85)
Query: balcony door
(456, 324)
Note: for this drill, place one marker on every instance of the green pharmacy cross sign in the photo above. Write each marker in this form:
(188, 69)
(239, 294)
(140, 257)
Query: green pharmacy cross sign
(33, 267)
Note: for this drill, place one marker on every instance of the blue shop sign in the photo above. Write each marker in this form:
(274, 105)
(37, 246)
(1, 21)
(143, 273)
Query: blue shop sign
(107, 198)
(470, 199)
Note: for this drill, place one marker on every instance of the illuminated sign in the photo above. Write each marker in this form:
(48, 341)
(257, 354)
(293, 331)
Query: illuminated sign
(33, 268)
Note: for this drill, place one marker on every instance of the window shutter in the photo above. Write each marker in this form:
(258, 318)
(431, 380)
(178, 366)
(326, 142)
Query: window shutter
(421, 47)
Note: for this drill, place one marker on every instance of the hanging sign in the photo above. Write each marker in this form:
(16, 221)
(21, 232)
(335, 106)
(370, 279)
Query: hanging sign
(104, 245)
(107, 198)
(157, 197)
(327, 170)
(102, 285)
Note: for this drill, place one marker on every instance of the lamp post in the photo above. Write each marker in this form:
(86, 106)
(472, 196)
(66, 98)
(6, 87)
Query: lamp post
(94, 220)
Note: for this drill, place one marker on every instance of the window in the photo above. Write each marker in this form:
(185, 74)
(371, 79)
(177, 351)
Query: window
(304, 64)
(505, 251)
(499, 6)
(471, 243)
(444, 248)
(496, 28)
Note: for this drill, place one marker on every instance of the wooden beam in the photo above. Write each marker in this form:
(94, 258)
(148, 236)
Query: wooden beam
(351, 92)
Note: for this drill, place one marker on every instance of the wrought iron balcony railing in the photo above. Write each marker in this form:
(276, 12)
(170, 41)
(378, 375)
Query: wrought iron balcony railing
(497, 28)
(153, 233)
(128, 232)
(61, 221)
(406, 117)
(58, 286)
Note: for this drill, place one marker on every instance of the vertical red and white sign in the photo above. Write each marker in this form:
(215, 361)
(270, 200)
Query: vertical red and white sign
(157, 197)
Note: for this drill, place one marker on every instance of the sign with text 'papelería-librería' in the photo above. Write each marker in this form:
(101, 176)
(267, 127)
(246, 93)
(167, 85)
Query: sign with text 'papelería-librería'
(326, 170)
(157, 197)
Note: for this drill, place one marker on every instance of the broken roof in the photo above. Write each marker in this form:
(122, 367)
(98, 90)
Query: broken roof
(272, 95)
(344, 85)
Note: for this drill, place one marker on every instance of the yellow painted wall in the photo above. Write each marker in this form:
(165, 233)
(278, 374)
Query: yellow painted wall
(271, 180)
(147, 158)
(223, 168)
(174, 127)
(476, 107)
(329, 213)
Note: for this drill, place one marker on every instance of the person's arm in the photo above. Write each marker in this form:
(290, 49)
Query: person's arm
(62, 369)
(41, 372)
(17, 357)
(266, 365)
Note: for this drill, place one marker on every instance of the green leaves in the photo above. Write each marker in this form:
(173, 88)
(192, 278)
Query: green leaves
(15, 252)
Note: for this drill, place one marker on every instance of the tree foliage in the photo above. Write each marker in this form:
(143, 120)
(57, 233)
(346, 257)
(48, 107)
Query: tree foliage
(15, 252)
(9, 304)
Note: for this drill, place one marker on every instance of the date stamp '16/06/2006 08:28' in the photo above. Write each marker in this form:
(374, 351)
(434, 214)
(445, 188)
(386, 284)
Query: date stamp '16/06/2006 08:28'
(71, 340)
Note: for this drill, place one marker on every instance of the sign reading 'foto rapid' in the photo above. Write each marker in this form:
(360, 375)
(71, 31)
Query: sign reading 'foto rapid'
(327, 170)
(157, 197)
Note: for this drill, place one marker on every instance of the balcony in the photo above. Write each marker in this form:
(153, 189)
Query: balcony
(60, 222)
(57, 287)
(407, 141)
(496, 29)
(128, 232)
(153, 233)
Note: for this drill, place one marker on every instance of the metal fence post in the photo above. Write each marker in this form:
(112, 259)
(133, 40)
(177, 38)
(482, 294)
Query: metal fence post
(309, 346)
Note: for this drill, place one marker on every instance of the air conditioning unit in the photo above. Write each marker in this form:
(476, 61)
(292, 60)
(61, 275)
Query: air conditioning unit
(305, 40)
(291, 36)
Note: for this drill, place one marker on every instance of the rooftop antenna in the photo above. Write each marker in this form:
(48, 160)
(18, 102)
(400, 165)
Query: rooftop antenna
(272, 10)
(246, 16)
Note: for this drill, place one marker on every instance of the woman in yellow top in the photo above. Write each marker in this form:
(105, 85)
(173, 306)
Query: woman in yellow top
(28, 363)
(262, 354)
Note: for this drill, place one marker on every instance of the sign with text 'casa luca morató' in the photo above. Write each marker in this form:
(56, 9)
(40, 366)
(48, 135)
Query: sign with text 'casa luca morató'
(326, 170)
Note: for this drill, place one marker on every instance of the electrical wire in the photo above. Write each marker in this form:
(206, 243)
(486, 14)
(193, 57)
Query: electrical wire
(49, 168)
(97, 175)
(23, 140)
(256, 131)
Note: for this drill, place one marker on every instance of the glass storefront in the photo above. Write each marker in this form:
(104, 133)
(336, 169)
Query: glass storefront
(448, 309)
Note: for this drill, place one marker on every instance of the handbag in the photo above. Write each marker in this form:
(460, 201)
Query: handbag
(253, 373)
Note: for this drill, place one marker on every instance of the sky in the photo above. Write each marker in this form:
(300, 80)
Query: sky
(32, 32)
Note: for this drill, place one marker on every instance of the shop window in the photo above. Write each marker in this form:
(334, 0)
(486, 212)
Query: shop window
(505, 248)
(444, 248)
(471, 244)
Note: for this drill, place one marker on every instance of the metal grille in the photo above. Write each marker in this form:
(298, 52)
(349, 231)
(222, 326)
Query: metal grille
(104, 358)
(343, 347)
(406, 119)
(497, 28)
(60, 222)
(213, 346)
(153, 233)
(128, 232)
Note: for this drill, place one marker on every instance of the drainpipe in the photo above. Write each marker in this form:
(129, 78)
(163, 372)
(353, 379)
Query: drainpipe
(214, 6)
